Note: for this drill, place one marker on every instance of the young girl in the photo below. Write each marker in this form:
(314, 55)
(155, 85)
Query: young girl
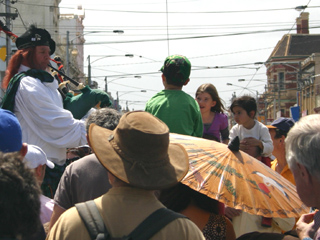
(215, 122)
(251, 132)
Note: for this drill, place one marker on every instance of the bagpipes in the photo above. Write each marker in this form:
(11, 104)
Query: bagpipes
(78, 104)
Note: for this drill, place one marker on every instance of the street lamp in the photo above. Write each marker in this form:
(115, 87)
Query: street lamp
(300, 8)
(106, 56)
(78, 35)
(117, 108)
(106, 82)
(256, 93)
(101, 57)
(256, 80)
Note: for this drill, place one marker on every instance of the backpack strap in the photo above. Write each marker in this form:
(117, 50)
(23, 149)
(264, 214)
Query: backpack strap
(92, 219)
(154, 223)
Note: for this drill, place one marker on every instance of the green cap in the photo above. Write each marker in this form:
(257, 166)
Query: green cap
(177, 68)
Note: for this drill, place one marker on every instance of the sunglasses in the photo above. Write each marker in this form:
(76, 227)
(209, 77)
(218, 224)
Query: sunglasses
(80, 151)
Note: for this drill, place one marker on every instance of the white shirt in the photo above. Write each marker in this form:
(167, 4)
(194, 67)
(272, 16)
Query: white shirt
(245, 223)
(44, 122)
(259, 131)
(46, 209)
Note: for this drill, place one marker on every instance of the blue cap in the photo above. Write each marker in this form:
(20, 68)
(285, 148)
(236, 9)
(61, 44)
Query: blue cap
(10, 132)
(284, 124)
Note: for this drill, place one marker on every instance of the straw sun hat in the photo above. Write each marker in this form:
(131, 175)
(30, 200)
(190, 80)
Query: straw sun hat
(138, 151)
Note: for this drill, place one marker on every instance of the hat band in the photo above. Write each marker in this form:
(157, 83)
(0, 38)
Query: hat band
(34, 44)
(143, 162)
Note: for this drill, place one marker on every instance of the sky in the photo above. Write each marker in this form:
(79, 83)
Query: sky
(222, 39)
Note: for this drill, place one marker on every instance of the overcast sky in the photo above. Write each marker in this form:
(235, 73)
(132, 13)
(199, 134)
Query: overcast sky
(222, 39)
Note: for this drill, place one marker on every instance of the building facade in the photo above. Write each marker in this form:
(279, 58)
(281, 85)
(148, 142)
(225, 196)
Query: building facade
(289, 69)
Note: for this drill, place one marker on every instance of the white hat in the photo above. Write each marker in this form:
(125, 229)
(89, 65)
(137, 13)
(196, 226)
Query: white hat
(36, 157)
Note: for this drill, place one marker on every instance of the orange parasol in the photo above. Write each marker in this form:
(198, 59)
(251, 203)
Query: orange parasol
(238, 180)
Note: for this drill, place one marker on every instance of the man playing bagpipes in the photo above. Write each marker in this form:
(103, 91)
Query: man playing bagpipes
(31, 93)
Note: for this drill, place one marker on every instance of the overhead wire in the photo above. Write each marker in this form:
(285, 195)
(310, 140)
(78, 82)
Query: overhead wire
(184, 38)
(302, 12)
(261, 65)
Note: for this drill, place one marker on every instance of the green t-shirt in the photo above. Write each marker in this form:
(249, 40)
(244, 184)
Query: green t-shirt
(178, 110)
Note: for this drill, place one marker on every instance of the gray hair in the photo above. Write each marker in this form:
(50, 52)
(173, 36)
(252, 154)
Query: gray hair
(303, 144)
(104, 117)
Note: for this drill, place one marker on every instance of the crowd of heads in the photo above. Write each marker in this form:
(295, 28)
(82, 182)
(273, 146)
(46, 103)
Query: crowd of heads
(135, 147)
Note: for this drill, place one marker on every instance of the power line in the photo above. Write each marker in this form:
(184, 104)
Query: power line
(161, 12)
(184, 38)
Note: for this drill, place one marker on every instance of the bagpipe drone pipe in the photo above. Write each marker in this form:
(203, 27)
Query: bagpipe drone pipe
(81, 103)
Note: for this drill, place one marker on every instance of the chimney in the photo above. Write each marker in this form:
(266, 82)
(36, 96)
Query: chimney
(303, 23)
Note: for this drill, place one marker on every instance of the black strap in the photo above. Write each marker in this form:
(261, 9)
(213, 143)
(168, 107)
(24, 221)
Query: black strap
(154, 223)
(92, 219)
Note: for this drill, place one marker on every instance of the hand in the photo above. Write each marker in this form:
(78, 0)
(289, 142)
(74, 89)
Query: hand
(231, 212)
(305, 226)
(102, 97)
(250, 141)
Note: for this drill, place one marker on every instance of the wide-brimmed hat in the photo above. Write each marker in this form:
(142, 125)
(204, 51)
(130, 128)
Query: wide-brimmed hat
(138, 151)
(36, 37)
(177, 68)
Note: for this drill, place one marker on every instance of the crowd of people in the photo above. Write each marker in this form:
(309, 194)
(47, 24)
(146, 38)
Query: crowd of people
(121, 171)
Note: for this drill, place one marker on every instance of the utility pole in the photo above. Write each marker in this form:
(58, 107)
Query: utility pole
(8, 40)
(68, 57)
(279, 100)
(299, 97)
(8, 15)
(265, 105)
(118, 106)
(105, 84)
(89, 71)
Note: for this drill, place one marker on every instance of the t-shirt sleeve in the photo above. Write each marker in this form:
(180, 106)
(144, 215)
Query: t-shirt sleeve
(233, 132)
(224, 128)
(266, 141)
(224, 121)
(198, 132)
(225, 134)
(63, 195)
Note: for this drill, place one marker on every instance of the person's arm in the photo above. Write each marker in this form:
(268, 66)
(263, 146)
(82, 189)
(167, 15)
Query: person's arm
(230, 212)
(230, 234)
(224, 128)
(233, 132)
(198, 131)
(266, 141)
(285, 224)
(42, 110)
(57, 211)
(225, 135)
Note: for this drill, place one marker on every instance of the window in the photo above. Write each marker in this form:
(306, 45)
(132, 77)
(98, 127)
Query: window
(281, 80)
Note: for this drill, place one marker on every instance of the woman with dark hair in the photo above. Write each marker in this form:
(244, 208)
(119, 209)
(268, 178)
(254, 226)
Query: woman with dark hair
(199, 208)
